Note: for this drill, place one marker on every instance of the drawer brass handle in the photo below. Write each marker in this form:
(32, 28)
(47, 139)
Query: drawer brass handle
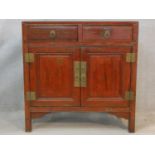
(52, 34)
(106, 34)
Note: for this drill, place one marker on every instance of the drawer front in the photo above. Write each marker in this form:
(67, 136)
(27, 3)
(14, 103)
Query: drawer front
(53, 32)
(109, 33)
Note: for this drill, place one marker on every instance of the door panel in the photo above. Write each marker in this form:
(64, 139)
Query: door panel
(108, 76)
(52, 77)
(57, 68)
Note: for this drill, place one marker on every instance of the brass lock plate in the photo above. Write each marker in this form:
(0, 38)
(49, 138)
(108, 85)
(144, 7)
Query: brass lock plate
(80, 74)
(76, 73)
(83, 74)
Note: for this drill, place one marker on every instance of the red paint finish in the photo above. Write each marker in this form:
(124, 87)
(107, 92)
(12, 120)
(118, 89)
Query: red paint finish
(103, 46)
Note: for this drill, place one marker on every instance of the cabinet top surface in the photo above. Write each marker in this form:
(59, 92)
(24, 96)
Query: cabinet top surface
(81, 22)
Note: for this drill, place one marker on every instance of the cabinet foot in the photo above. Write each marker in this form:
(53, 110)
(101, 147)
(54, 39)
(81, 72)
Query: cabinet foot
(28, 126)
(131, 124)
(131, 129)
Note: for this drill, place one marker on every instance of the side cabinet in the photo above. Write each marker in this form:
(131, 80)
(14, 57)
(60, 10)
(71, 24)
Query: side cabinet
(81, 67)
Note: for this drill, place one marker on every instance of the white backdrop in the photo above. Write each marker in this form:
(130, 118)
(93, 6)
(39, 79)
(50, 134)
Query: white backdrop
(11, 68)
(11, 78)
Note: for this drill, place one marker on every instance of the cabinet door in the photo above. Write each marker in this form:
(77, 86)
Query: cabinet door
(107, 76)
(52, 76)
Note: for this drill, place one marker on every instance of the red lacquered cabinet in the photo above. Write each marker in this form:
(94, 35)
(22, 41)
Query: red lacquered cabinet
(81, 67)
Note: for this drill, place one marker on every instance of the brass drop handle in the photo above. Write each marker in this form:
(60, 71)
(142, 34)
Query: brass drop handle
(52, 34)
(106, 33)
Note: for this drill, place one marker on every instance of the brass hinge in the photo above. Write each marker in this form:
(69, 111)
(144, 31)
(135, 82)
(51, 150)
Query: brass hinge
(130, 57)
(30, 96)
(29, 57)
(129, 95)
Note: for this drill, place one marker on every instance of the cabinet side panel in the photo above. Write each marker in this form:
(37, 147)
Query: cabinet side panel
(26, 79)
(133, 80)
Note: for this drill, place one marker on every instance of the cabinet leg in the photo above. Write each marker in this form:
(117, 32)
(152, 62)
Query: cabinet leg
(28, 122)
(28, 125)
(131, 123)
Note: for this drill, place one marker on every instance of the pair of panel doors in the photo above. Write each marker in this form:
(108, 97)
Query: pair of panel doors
(80, 76)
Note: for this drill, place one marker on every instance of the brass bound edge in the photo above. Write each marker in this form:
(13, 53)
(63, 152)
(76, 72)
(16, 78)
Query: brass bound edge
(30, 96)
(129, 95)
(131, 57)
(29, 57)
